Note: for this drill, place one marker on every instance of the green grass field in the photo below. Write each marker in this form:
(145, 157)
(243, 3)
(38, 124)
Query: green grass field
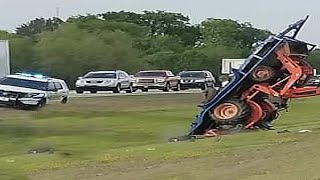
(126, 138)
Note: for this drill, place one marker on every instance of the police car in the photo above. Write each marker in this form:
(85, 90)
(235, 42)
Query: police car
(32, 91)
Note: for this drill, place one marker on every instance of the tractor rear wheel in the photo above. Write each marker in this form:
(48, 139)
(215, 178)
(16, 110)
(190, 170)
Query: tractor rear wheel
(230, 112)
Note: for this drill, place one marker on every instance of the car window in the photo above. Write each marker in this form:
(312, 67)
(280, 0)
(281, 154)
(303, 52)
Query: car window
(192, 74)
(39, 85)
(101, 75)
(122, 75)
(126, 74)
(169, 73)
(64, 85)
(51, 86)
(58, 85)
(151, 74)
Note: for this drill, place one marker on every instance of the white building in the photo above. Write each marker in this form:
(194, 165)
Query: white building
(229, 64)
(4, 58)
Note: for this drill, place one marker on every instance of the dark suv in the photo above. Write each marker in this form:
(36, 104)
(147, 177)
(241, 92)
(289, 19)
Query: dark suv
(197, 79)
(314, 81)
(157, 79)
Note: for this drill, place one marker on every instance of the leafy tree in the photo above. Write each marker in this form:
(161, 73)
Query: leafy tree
(215, 55)
(82, 18)
(69, 52)
(98, 25)
(230, 33)
(123, 16)
(193, 59)
(162, 60)
(314, 59)
(160, 23)
(250, 35)
(151, 45)
(129, 41)
(39, 25)
(21, 52)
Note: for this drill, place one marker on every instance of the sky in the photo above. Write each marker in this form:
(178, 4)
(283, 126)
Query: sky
(273, 15)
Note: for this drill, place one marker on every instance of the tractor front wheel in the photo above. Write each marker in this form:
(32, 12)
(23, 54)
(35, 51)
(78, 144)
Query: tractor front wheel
(262, 73)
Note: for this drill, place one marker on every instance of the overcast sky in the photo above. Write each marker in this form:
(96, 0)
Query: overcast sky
(271, 14)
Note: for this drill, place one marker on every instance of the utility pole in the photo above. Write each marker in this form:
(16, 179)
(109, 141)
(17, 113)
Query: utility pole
(57, 12)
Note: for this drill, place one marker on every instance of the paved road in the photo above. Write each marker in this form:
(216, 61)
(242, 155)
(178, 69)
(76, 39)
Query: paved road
(138, 93)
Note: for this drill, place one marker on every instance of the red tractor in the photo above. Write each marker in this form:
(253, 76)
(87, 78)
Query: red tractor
(261, 87)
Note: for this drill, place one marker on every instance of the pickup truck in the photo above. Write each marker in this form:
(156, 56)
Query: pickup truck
(157, 79)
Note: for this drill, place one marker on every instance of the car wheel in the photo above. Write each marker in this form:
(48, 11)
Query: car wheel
(167, 87)
(93, 91)
(40, 105)
(64, 100)
(117, 89)
(79, 91)
(135, 89)
(183, 88)
(178, 88)
(130, 90)
(204, 87)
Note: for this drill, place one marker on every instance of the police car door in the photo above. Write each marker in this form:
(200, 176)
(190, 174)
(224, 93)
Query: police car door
(62, 92)
(53, 94)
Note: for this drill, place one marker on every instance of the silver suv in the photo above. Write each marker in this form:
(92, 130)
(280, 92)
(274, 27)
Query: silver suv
(95, 81)
(32, 91)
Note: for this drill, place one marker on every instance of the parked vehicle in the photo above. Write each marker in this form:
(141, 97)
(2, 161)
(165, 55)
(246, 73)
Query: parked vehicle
(134, 82)
(32, 91)
(157, 79)
(95, 81)
(197, 79)
(314, 81)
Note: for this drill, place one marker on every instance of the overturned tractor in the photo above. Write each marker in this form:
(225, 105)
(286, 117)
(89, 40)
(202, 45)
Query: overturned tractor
(261, 87)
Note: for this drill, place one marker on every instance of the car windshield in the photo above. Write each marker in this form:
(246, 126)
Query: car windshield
(24, 83)
(101, 75)
(314, 78)
(151, 74)
(192, 74)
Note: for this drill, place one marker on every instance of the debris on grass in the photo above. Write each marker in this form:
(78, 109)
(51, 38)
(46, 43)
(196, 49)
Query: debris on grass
(10, 161)
(305, 131)
(284, 131)
(179, 138)
(66, 154)
(151, 149)
(42, 149)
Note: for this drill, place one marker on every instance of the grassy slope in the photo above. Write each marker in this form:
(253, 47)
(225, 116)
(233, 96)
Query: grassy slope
(135, 128)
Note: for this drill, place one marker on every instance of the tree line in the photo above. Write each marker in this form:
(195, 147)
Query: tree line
(129, 41)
